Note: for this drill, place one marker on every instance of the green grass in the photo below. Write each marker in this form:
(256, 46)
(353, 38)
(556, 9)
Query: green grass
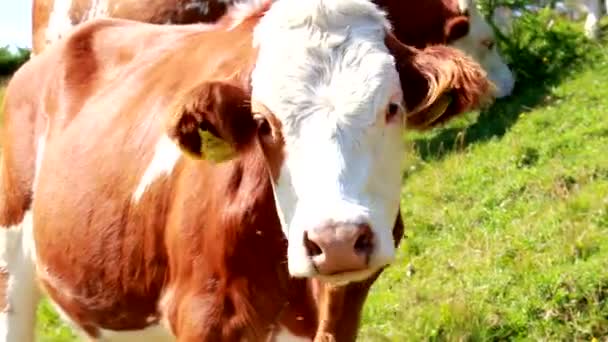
(3, 82)
(507, 224)
(507, 218)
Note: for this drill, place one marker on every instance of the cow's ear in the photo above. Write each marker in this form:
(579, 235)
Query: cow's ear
(456, 28)
(438, 83)
(211, 121)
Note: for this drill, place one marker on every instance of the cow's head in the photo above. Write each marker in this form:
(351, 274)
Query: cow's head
(471, 33)
(331, 94)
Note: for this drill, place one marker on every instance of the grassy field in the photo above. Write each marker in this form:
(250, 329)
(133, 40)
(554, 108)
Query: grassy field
(507, 222)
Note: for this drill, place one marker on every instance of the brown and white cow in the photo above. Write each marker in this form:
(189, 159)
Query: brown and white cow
(457, 23)
(227, 183)
(415, 22)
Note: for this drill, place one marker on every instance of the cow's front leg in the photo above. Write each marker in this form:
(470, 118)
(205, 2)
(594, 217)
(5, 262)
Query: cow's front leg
(19, 294)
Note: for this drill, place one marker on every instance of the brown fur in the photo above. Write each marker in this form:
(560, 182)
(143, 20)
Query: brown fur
(426, 74)
(423, 23)
(415, 22)
(41, 12)
(203, 244)
(152, 11)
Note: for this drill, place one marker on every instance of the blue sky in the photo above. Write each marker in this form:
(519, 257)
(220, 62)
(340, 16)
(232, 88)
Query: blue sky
(15, 23)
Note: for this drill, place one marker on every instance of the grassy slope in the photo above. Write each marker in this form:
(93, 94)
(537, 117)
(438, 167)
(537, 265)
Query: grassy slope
(506, 237)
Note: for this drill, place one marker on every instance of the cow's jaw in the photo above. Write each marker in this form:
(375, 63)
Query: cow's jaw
(328, 78)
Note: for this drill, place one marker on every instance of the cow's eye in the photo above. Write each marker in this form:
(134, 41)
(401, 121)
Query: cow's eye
(488, 43)
(392, 111)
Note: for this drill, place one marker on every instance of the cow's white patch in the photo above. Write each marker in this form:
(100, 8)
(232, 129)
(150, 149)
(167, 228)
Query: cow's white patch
(241, 10)
(284, 335)
(480, 44)
(324, 71)
(464, 5)
(166, 155)
(99, 8)
(59, 21)
(17, 259)
(163, 306)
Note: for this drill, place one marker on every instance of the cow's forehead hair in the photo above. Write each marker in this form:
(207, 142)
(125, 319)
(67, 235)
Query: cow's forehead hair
(324, 57)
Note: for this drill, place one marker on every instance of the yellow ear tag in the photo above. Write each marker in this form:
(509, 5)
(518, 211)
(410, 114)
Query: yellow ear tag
(215, 149)
(439, 107)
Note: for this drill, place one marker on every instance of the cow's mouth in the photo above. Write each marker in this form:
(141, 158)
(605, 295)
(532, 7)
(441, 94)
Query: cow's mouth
(344, 278)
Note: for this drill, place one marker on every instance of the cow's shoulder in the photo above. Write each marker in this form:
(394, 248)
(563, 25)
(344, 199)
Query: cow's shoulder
(103, 45)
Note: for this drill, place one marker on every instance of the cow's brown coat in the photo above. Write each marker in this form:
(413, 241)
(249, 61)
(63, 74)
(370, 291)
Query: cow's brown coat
(115, 81)
(415, 23)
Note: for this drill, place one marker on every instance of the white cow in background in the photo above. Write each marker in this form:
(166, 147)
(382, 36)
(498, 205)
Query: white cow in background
(594, 13)
(573, 9)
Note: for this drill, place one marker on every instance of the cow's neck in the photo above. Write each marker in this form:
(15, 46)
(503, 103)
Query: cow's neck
(250, 230)
(243, 263)
(324, 312)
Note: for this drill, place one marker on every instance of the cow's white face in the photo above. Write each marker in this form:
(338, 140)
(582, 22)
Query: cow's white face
(480, 43)
(324, 72)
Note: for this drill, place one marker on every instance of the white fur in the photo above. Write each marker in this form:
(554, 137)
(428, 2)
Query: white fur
(18, 259)
(284, 335)
(59, 21)
(464, 5)
(324, 71)
(475, 44)
(17, 255)
(241, 10)
(166, 155)
(99, 8)
(60, 24)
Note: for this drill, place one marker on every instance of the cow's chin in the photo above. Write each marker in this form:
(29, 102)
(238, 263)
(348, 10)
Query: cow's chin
(342, 279)
(338, 279)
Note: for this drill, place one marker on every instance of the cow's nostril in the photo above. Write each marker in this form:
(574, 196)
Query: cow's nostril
(339, 248)
(365, 242)
(312, 248)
